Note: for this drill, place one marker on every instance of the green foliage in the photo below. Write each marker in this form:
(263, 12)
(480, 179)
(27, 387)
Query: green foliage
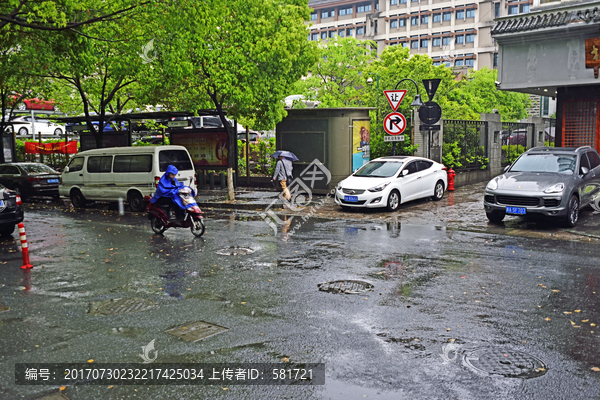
(511, 153)
(242, 162)
(451, 155)
(262, 151)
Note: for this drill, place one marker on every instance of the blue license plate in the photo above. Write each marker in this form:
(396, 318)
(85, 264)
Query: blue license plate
(351, 198)
(52, 180)
(1, 203)
(516, 210)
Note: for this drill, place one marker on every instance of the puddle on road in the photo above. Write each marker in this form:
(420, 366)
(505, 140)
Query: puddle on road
(124, 331)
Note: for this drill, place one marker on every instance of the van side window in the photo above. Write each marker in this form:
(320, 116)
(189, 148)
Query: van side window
(99, 164)
(141, 163)
(76, 164)
(178, 158)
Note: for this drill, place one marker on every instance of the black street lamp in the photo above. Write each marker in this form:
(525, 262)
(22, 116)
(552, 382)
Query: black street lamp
(416, 103)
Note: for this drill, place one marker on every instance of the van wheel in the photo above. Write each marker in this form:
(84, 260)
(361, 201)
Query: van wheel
(136, 202)
(77, 199)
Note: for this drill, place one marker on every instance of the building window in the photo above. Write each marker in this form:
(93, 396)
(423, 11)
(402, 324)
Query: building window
(460, 14)
(460, 39)
(459, 63)
(470, 13)
(323, 35)
(394, 23)
(360, 30)
(424, 19)
(436, 63)
(496, 10)
(469, 62)
(446, 40)
(524, 8)
(447, 16)
(314, 16)
(393, 2)
(404, 44)
(331, 34)
(437, 17)
(315, 36)
(403, 2)
(470, 38)
(350, 32)
(327, 13)
(402, 22)
(363, 7)
(513, 9)
(414, 20)
(345, 11)
(414, 44)
(376, 26)
(495, 60)
(424, 43)
(436, 42)
(342, 33)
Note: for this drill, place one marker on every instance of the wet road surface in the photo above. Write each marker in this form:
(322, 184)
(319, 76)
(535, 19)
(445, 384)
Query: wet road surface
(432, 285)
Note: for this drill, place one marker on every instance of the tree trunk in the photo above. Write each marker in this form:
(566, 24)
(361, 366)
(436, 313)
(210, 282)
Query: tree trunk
(231, 193)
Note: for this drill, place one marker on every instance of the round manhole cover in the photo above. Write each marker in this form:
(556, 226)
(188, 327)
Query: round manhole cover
(512, 364)
(120, 306)
(347, 287)
(234, 251)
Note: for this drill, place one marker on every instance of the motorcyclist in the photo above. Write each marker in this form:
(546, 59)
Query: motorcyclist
(167, 192)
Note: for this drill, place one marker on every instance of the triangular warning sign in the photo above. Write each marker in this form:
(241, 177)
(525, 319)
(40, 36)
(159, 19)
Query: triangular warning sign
(395, 97)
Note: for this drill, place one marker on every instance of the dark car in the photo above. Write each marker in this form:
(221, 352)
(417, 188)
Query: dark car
(547, 181)
(517, 137)
(11, 212)
(30, 179)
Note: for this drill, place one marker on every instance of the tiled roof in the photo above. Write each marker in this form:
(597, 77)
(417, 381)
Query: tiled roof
(545, 20)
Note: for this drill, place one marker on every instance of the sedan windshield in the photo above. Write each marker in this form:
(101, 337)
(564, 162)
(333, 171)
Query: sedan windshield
(33, 169)
(556, 163)
(379, 169)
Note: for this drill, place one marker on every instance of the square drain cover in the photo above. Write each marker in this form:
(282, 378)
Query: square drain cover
(4, 308)
(120, 306)
(195, 331)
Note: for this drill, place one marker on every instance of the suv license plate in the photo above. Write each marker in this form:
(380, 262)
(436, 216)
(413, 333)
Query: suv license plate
(52, 180)
(516, 210)
(351, 198)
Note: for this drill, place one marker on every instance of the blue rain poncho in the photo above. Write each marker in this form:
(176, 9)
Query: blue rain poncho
(170, 188)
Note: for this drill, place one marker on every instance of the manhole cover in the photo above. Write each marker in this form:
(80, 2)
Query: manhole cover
(347, 287)
(195, 331)
(120, 306)
(512, 364)
(4, 308)
(234, 251)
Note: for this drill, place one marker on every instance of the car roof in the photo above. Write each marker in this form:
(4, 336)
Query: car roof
(126, 150)
(562, 150)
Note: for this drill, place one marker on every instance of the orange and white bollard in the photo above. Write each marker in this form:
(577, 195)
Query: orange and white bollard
(24, 247)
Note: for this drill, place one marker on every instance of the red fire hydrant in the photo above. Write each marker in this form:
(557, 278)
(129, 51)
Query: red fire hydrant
(451, 175)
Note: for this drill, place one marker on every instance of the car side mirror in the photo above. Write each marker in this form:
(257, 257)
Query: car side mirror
(404, 172)
(66, 170)
(585, 171)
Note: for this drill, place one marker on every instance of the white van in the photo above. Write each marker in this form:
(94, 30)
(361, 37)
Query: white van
(123, 172)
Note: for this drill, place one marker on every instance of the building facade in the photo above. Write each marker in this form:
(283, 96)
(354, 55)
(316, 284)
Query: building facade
(455, 33)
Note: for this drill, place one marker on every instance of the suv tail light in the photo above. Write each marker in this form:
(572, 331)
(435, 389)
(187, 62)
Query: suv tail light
(156, 179)
(19, 202)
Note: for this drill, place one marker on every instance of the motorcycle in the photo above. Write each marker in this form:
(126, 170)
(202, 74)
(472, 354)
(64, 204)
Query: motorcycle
(159, 215)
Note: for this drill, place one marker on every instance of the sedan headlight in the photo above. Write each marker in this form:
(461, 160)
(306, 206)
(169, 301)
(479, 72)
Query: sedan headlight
(558, 188)
(339, 186)
(492, 185)
(379, 188)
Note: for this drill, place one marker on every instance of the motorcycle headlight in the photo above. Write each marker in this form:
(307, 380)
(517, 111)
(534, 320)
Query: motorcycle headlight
(558, 188)
(378, 188)
(492, 185)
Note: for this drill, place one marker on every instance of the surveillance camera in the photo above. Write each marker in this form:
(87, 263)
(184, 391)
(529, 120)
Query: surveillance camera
(369, 81)
(497, 83)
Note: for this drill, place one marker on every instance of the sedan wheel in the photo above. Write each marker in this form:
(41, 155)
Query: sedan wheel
(572, 212)
(393, 200)
(23, 131)
(438, 191)
(58, 131)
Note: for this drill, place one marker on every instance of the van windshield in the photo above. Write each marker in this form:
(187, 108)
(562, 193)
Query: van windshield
(178, 158)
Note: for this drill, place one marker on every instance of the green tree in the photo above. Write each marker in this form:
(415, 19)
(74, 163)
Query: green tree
(238, 57)
(336, 79)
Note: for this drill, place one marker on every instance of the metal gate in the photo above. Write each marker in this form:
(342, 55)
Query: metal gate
(516, 137)
(549, 132)
(465, 144)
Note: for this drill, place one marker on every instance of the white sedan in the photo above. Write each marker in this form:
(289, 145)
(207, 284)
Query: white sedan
(391, 181)
(25, 125)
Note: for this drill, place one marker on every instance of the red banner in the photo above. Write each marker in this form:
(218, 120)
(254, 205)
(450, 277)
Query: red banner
(50, 148)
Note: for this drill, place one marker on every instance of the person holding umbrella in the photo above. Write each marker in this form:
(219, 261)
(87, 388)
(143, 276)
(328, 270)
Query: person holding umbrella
(283, 170)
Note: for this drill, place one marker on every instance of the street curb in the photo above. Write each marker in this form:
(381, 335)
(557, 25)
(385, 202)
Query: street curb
(242, 206)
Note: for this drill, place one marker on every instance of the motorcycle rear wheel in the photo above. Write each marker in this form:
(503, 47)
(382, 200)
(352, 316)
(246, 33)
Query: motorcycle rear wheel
(197, 227)
(157, 225)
